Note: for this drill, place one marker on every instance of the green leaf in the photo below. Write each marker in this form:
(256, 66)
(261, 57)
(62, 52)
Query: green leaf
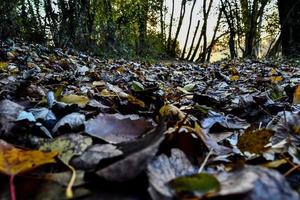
(137, 87)
(189, 87)
(67, 146)
(198, 184)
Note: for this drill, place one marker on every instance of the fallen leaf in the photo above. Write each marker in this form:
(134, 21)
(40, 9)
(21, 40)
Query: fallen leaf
(287, 128)
(43, 114)
(98, 83)
(276, 79)
(255, 182)
(26, 116)
(75, 99)
(73, 120)
(170, 112)
(9, 111)
(137, 154)
(116, 128)
(137, 86)
(198, 185)
(234, 77)
(275, 163)
(296, 99)
(208, 141)
(189, 87)
(216, 120)
(254, 141)
(67, 146)
(14, 161)
(162, 169)
(136, 101)
(3, 65)
(94, 155)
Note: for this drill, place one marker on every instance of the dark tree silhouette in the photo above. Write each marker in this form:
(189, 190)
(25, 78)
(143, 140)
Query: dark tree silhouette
(289, 12)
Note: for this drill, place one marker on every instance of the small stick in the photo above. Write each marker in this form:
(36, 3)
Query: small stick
(291, 170)
(205, 161)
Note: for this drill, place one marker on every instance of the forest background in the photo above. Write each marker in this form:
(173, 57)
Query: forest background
(191, 30)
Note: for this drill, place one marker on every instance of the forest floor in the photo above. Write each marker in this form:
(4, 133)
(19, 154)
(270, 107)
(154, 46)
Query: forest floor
(77, 126)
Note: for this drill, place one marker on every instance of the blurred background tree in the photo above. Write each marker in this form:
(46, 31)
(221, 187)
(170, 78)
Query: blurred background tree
(193, 30)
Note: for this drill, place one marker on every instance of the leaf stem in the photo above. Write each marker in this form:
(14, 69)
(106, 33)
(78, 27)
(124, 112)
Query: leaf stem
(69, 192)
(12, 188)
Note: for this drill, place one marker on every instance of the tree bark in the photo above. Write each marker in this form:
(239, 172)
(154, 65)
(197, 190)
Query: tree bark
(214, 39)
(162, 22)
(171, 26)
(182, 13)
(110, 29)
(289, 13)
(189, 29)
(193, 41)
(206, 12)
(142, 24)
(230, 22)
(252, 22)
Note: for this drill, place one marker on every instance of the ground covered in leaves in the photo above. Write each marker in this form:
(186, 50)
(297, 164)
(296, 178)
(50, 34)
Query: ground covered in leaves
(77, 126)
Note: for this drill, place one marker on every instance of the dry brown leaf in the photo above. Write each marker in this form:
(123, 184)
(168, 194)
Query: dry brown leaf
(296, 99)
(14, 160)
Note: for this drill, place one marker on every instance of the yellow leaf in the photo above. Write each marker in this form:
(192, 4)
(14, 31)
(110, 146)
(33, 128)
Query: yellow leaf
(296, 99)
(275, 163)
(98, 83)
(273, 72)
(14, 161)
(75, 99)
(3, 65)
(276, 79)
(121, 69)
(233, 71)
(136, 101)
(234, 78)
(106, 93)
(110, 61)
(171, 112)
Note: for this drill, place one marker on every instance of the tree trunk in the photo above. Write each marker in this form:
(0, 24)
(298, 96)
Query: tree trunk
(110, 29)
(252, 23)
(193, 41)
(142, 24)
(182, 13)
(171, 25)
(189, 29)
(274, 47)
(214, 40)
(162, 22)
(206, 12)
(289, 13)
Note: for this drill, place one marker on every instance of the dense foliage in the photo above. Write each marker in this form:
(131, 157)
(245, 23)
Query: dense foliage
(190, 29)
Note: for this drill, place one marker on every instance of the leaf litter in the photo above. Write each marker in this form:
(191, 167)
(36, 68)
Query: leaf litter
(134, 130)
